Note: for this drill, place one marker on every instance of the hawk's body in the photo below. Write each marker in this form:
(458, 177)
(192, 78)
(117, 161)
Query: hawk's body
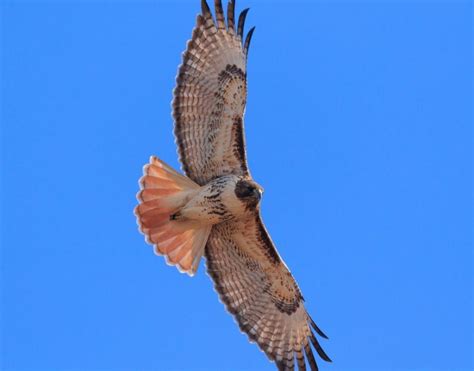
(214, 211)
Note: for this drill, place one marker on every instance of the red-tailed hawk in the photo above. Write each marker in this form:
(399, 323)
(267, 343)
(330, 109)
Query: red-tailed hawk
(214, 211)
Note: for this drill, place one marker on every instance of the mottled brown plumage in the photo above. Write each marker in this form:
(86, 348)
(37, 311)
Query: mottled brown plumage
(215, 211)
(209, 100)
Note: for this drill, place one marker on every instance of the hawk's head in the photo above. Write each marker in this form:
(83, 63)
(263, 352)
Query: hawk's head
(248, 192)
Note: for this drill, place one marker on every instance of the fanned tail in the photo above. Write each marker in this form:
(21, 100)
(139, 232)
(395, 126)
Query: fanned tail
(163, 192)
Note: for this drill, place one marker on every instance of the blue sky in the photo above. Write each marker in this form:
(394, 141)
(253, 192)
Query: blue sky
(358, 125)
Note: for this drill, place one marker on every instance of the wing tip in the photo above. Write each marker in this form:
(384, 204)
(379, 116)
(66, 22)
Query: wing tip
(248, 38)
(318, 348)
(241, 23)
(205, 10)
(230, 16)
(219, 11)
(317, 329)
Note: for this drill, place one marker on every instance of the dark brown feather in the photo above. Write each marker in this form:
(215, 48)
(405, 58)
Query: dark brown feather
(300, 360)
(230, 16)
(219, 14)
(241, 24)
(206, 12)
(317, 329)
(310, 357)
(318, 348)
(248, 39)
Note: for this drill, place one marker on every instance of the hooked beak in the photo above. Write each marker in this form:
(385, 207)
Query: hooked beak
(258, 193)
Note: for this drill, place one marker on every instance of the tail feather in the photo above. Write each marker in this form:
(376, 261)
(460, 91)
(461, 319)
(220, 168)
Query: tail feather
(163, 192)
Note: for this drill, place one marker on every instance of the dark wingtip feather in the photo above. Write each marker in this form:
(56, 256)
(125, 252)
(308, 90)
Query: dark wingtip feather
(318, 348)
(240, 27)
(219, 13)
(280, 365)
(310, 357)
(206, 11)
(317, 329)
(230, 15)
(300, 361)
(248, 39)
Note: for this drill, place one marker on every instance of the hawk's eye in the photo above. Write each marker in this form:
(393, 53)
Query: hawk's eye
(244, 190)
(248, 191)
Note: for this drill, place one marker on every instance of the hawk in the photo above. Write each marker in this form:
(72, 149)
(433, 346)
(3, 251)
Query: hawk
(214, 210)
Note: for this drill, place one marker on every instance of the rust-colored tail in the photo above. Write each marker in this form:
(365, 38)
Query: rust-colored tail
(163, 192)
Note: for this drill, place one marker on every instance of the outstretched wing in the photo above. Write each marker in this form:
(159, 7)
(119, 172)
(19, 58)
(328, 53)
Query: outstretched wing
(259, 290)
(210, 95)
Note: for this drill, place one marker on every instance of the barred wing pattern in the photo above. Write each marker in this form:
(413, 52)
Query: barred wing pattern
(258, 289)
(210, 96)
